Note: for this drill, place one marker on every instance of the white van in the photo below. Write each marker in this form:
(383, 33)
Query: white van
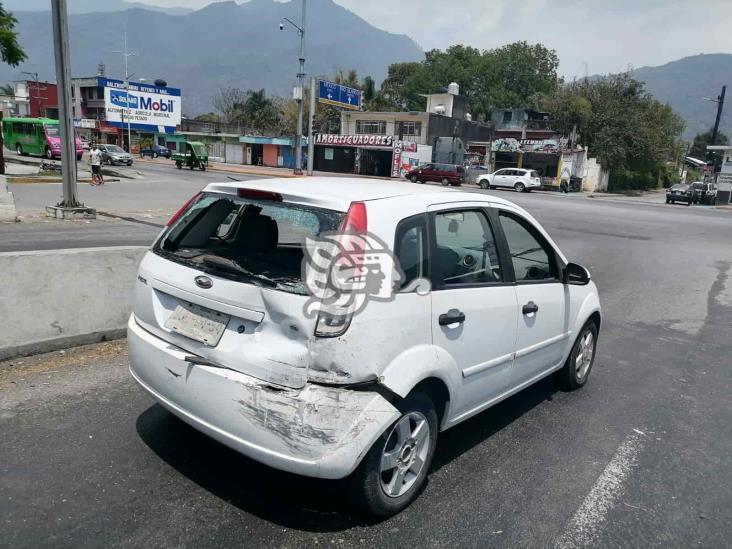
(221, 337)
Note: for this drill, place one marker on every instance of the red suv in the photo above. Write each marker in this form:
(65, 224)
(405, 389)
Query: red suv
(447, 174)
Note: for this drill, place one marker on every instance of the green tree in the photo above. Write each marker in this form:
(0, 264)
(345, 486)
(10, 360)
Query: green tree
(10, 49)
(510, 76)
(7, 89)
(397, 90)
(257, 111)
(622, 125)
(701, 140)
(208, 117)
(569, 110)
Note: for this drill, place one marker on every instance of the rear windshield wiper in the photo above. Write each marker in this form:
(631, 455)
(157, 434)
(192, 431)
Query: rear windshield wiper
(232, 267)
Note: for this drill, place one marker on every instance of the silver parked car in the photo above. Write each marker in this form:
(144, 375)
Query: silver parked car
(114, 154)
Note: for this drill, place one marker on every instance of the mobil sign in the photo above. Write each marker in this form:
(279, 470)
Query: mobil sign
(144, 107)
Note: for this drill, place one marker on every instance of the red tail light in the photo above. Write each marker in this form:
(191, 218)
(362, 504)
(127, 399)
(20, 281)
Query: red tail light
(355, 220)
(183, 208)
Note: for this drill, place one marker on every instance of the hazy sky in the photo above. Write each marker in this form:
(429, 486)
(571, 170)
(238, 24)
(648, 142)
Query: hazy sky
(593, 36)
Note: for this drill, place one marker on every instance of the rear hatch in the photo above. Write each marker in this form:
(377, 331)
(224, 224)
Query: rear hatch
(224, 283)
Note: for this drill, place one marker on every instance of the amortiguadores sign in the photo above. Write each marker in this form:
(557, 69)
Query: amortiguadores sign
(145, 107)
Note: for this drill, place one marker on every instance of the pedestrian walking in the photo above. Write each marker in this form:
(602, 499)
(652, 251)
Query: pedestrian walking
(95, 159)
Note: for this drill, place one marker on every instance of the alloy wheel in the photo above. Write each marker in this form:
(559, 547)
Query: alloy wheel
(585, 351)
(404, 454)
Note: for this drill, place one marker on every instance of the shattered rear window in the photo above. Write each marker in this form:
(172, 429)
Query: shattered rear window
(253, 241)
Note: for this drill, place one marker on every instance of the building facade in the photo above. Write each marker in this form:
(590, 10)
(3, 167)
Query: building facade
(724, 177)
(89, 112)
(388, 144)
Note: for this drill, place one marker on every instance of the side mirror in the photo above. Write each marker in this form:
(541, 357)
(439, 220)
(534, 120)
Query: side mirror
(576, 274)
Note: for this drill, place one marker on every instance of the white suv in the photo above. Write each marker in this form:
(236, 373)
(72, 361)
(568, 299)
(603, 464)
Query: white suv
(514, 178)
(221, 334)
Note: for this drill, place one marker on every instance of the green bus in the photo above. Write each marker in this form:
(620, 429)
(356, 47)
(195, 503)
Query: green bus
(37, 136)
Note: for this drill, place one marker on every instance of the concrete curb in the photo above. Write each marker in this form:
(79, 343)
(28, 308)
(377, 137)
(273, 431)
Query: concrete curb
(8, 211)
(45, 180)
(59, 343)
(51, 299)
(245, 171)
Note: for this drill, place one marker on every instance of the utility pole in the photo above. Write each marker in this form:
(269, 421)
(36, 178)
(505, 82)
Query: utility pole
(126, 54)
(69, 206)
(299, 90)
(720, 106)
(311, 124)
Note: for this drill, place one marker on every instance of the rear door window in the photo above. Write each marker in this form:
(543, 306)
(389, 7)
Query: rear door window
(255, 241)
(465, 249)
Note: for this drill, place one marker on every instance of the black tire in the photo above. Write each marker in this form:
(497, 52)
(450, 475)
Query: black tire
(667, 201)
(47, 153)
(688, 203)
(366, 481)
(18, 149)
(484, 184)
(154, 155)
(673, 202)
(129, 163)
(414, 179)
(568, 377)
(445, 182)
(178, 165)
(203, 167)
(192, 167)
(519, 187)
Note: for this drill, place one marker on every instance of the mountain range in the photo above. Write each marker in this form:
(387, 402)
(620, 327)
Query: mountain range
(685, 82)
(88, 6)
(226, 44)
(221, 45)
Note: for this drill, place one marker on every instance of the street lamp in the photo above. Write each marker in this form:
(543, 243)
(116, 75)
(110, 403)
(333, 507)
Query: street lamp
(299, 92)
(126, 55)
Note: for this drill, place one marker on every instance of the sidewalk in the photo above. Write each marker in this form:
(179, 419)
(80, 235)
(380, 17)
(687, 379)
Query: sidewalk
(244, 169)
(248, 169)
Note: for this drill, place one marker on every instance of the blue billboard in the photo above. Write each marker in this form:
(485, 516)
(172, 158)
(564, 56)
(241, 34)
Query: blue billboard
(143, 106)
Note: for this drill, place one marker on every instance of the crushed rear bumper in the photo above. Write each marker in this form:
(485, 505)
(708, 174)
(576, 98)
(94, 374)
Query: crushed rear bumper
(314, 431)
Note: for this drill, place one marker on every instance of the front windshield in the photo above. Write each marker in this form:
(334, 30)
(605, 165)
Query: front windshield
(115, 149)
(51, 131)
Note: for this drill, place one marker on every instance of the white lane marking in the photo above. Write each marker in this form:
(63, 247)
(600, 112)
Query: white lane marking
(583, 526)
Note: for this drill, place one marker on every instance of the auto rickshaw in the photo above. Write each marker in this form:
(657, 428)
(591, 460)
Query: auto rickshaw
(195, 156)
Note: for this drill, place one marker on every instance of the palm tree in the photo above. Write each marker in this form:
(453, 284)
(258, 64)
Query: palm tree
(7, 89)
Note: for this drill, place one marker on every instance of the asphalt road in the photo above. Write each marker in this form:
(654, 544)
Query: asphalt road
(639, 457)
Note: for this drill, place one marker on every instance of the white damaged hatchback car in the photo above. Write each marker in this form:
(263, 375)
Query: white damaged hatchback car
(451, 302)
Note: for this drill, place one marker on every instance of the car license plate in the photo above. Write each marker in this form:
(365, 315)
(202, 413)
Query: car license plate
(198, 323)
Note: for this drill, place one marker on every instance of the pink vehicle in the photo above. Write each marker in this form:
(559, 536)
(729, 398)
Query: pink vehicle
(37, 136)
